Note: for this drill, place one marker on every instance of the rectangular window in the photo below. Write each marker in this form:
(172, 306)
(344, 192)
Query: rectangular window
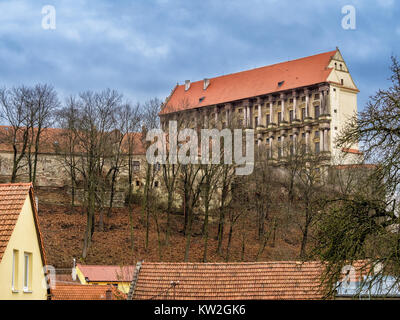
(316, 112)
(317, 147)
(257, 121)
(15, 263)
(136, 165)
(279, 117)
(291, 145)
(316, 97)
(303, 114)
(290, 115)
(27, 271)
(268, 119)
(279, 148)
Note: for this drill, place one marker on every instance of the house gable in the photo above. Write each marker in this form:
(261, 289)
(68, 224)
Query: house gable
(20, 235)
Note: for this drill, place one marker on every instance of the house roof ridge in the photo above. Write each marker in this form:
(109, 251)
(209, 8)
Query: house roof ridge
(261, 67)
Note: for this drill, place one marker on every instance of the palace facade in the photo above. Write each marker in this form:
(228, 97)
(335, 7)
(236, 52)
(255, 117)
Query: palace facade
(306, 101)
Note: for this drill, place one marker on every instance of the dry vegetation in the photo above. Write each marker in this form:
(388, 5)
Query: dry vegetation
(63, 235)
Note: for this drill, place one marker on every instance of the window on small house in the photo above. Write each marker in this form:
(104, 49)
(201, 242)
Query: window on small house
(27, 271)
(341, 67)
(15, 263)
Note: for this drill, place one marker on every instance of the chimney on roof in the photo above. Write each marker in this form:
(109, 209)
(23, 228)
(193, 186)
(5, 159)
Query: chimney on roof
(187, 85)
(206, 83)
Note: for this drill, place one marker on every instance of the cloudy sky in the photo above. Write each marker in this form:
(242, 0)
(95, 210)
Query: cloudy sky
(144, 47)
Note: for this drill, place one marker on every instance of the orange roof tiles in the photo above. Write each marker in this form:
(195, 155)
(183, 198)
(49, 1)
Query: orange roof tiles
(85, 292)
(251, 83)
(354, 151)
(98, 273)
(12, 198)
(229, 281)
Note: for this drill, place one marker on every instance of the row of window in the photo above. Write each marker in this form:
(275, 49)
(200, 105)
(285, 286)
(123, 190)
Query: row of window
(291, 115)
(279, 102)
(291, 148)
(27, 272)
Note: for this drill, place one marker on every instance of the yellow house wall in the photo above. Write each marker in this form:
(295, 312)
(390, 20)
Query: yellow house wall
(24, 239)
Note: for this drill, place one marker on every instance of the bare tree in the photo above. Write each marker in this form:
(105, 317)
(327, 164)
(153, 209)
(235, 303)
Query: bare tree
(42, 107)
(15, 105)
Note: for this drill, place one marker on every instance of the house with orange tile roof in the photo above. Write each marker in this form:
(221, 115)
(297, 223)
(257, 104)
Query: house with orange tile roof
(103, 275)
(283, 280)
(305, 101)
(22, 255)
(271, 280)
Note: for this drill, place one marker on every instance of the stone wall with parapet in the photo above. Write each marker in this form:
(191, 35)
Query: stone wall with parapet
(52, 174)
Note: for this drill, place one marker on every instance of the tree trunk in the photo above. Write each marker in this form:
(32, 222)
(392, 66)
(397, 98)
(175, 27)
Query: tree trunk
(169, 209)
(188, 234)
(228, 247)
(205, 229)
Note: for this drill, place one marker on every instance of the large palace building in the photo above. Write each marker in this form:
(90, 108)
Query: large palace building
(306, 100)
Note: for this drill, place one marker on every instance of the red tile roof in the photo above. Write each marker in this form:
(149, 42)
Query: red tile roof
(230, 281)
(85, 292)
(52, 140)
(256, 82)
(99, 273)
(354, 151)
(12, 198)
